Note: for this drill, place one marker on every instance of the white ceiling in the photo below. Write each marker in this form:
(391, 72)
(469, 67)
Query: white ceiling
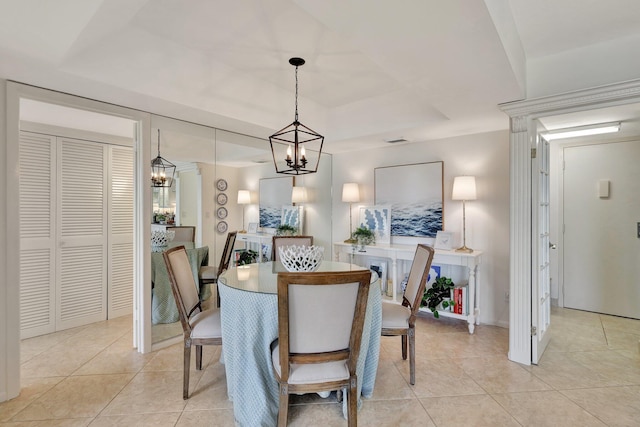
(416, 69)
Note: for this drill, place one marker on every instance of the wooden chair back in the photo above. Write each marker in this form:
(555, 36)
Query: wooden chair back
(225, 259)
(183, 285)
(279, 241)
(417, 280)
(184, 233)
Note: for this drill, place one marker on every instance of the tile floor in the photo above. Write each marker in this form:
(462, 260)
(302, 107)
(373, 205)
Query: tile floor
(589, 376)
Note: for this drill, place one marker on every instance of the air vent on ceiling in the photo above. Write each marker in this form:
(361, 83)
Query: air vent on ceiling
(395, 140)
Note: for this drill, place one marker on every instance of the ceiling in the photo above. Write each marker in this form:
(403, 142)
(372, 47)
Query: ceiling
(375, 70)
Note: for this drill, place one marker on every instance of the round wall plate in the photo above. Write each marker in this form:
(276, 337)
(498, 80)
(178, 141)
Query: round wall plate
(221, 184)
(221, 199)
(222, 212)
(222, 227)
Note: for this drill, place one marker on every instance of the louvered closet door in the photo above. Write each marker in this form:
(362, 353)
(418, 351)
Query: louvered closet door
(37, 234)
(82, 236)
(120, 289)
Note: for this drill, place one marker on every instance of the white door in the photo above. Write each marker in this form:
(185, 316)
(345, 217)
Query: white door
(540, 268)
(121, 214)
(601, 239)
(37, 234)
(82, 233)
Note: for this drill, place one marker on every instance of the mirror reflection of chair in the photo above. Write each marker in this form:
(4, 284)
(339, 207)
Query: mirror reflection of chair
(401, 319)
(208, 274)
(279, 241)
(320, 322)
(199, 327)
(184, 233)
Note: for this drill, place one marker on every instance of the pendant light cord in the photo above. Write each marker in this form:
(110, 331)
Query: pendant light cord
(296, 117)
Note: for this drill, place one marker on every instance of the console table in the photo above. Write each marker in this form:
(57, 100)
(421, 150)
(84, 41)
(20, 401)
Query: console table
(406, 252)
(256, 238)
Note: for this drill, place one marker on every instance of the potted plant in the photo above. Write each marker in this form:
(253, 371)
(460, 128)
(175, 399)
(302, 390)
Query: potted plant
(247, 257)
(439, 293)
(363, 236)
(286, 230)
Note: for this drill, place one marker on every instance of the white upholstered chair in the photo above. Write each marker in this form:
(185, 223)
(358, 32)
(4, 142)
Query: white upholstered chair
(320, 322)
(199, 327)
(401, 319)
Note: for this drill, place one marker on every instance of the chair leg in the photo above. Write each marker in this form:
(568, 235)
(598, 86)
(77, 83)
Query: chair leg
(186, 367)
(352, 402)
(283, 410)
(199, 357)
(404, 347)
(412, 355)
(217, 295)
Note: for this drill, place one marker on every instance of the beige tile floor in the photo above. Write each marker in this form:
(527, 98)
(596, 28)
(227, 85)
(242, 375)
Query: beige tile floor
(589, 376)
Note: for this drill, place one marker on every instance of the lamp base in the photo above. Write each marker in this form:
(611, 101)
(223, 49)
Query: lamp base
(351, 241)
(464, 249)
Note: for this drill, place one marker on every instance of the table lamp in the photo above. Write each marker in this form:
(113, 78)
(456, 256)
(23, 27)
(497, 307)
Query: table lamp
(244, 198)
(464, 188)
(298, 195)
(350, 194)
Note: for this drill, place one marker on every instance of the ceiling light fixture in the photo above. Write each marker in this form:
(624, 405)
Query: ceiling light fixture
(595, 129)
(162, 170)
(296, 158)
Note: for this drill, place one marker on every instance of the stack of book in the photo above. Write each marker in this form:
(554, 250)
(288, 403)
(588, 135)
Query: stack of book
(460, 296)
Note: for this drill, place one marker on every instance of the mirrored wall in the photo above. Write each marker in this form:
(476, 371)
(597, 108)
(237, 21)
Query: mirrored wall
(212, 165)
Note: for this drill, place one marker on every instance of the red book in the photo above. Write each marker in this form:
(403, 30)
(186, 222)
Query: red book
(459, 300)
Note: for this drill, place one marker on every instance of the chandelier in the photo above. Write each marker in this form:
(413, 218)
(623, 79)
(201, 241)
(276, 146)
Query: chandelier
(162, 170)
(289, 155)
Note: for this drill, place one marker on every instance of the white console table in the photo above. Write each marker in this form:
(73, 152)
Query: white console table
(406, 252)
(257, 238)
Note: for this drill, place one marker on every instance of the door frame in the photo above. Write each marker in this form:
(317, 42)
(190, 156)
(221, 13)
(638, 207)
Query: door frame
(523, 131)
(9, 308)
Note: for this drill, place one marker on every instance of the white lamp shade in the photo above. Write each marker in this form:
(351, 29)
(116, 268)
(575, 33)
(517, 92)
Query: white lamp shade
(464, 188)
(298, 195)
(244, 197)
(350, 192)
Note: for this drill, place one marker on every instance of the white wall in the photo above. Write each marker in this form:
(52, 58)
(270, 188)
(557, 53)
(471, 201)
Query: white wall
(5, 364)
(485, 156)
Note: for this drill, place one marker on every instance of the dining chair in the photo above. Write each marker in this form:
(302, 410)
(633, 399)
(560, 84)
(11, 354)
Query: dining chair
(199, 327)
(184, 233)
(320, 322)
(400, 319)
(279, 241)
(208, 274)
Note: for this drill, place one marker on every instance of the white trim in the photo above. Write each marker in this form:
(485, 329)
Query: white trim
(522, 133)
(9, 291)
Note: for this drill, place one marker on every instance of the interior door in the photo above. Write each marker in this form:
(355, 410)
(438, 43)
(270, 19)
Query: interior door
(82, 233)
(601, 187)
(37, 234)
(540, 268)
(121, 214)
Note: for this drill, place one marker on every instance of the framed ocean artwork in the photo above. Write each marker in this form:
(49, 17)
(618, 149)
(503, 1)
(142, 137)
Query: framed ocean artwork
(274, 193)
(415, 193)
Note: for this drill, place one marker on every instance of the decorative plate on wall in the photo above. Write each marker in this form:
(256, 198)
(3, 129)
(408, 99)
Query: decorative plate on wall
(221, 199)
(222, 227)
(222, 213)
(221, 184)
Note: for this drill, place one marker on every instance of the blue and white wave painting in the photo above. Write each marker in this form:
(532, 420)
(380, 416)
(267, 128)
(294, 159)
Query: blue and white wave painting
(291, 217)
(376, 220)
(270, 216)
(416, 219)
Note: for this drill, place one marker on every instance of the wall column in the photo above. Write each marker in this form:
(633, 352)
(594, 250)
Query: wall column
(520, 241)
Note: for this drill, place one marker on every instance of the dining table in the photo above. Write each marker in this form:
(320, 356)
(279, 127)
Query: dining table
(163, 305)
(249, 318)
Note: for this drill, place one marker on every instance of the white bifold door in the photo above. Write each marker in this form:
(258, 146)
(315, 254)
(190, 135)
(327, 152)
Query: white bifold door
(76, 232)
